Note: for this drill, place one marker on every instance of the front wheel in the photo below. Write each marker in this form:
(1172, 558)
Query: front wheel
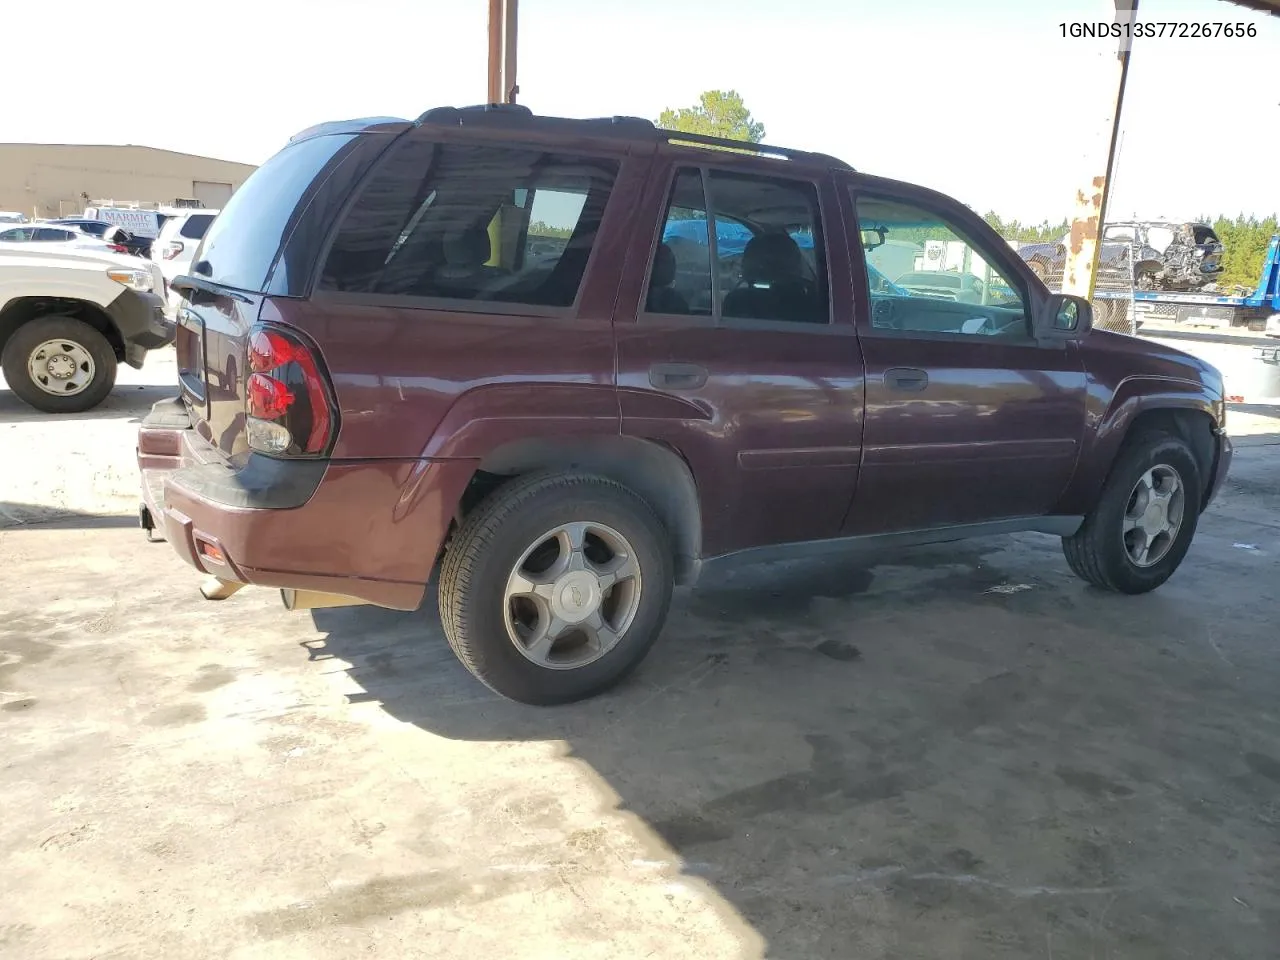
(1142, 526)
(59, 364)
(555, 587)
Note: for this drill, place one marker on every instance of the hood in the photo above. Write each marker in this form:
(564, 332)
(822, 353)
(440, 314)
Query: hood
(1114, 357)
(73, 259)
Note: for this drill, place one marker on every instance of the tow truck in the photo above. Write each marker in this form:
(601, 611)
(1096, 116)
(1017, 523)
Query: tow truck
(1258, 311)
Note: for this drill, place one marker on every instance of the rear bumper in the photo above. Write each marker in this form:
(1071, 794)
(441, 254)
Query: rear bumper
(370, 530)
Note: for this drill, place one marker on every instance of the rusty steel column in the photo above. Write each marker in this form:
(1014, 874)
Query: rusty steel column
(494, 94)
(502, 86)
(1081, 267)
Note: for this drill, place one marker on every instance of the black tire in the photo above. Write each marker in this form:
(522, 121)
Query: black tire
(30, 335)
(486, 548)
(1096, 552)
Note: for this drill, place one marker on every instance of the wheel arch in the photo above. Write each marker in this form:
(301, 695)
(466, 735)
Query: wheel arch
(655, 471)
(22, 310)
(1185, 410)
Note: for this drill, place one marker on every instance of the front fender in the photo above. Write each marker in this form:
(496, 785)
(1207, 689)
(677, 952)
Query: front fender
(1109, 421)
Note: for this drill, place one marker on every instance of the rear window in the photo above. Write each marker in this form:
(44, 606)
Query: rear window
(196, 226)
(470, 222)
(242, 242)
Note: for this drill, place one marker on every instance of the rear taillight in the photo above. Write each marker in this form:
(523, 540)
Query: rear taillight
(171, 249)
(287, 399)
(118, 248)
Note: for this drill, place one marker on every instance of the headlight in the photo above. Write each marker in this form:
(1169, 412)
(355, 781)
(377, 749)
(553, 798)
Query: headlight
(133, 279)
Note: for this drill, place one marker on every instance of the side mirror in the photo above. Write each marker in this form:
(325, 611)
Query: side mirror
(1065, 317)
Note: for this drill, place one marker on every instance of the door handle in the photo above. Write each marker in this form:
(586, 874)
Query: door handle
(677, 376)
(909, 379)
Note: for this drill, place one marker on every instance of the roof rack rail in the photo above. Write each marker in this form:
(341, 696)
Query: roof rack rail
(638, 128)
(680, 138)
(454, 116)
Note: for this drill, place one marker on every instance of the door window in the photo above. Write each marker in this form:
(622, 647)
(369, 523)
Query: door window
(480, 223)
(925, 275)
(762, 234)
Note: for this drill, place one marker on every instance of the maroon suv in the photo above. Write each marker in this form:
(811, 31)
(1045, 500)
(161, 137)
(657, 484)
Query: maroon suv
(572, 362)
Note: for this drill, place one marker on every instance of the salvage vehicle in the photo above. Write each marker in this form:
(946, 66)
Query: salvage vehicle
(68, 317)
(378, 381)
(1143, 255)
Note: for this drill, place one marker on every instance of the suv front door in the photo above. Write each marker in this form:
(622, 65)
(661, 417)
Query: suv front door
(969, 419)
(736, 347)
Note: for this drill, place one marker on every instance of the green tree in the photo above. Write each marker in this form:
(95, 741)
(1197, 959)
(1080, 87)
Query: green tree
(719, 113)
(1026, 232)
(1245, 240)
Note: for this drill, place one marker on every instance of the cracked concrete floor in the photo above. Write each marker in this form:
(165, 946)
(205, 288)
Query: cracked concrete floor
(956, 752)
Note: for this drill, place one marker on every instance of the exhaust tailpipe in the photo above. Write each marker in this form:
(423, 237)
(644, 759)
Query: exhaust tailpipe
(215, 588)
(314, 599)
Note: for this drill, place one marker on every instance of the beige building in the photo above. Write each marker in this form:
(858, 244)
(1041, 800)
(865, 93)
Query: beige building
(60, 179)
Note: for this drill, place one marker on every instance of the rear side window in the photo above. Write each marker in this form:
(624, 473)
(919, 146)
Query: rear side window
(480, 223)
(94, 229)
(196, 226)
(49, 234)
(242, 242)
(769, 256)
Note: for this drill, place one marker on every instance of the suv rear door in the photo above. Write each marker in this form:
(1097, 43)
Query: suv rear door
(751, 371)
(224, 293)
(969, 418)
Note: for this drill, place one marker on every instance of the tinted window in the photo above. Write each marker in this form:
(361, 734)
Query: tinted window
(925, 274)
(680, 277)
(770, 261)
(473, 223)
(196, 226)
(49, 235)
(95, 228)
(17, 236)
(242, 242)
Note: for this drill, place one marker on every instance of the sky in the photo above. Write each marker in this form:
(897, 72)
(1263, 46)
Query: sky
(983, 99)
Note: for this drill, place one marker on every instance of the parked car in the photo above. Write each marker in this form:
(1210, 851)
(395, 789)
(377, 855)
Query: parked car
(378, 381)
(1147, 255)
(52, 238)
(176, 244)
(12, 216)
(69, 316)
(118, 238)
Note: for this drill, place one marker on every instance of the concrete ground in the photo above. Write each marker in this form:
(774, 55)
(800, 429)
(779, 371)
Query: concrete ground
(956, 752)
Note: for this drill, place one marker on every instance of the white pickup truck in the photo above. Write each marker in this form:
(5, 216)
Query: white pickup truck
(68, 317)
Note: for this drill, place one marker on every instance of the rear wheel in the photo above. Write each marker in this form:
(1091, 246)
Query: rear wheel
(555, 587)
(1143, 524)
(59, 364)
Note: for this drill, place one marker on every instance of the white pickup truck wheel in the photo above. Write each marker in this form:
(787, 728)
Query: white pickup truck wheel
(59, 364)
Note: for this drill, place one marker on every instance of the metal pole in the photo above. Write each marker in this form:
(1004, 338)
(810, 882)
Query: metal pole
(1081, 268)
(502, 87)
(509, 86)
(494, 94)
